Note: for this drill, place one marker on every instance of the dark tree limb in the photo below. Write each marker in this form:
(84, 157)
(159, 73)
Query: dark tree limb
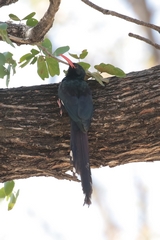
(125, 128)
(6, 2)
(37, 33)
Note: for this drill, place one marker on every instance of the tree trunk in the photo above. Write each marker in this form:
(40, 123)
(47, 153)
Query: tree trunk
(35, 140)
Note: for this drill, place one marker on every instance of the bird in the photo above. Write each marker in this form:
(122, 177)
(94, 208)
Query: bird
(75, 94)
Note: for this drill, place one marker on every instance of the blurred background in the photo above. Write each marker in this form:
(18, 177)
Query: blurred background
(125, 202)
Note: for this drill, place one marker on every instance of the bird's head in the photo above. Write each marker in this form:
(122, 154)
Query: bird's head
(75, 70)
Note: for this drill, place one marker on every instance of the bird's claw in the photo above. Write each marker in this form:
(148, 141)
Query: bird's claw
(60, 106)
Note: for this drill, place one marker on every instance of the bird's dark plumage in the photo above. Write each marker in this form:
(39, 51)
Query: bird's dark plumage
(75, 94)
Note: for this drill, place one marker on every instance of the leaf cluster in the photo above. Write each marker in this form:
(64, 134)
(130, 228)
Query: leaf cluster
(29, 19)
(101, 68)
(7, 66)
(47, 63)
(46, 58)
(7, 192)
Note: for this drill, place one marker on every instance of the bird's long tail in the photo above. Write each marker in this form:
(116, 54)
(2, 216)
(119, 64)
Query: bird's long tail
(80, 152)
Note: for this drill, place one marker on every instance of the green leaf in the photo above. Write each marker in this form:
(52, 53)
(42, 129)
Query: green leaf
(17, 194)
(34, 60)
(32, 22)
(5, 38)
(8, 57)
(11, 202)
(10, 60)
(2, 59)
(14, 17)
(83, 54)
(42, 68)
(53, 66)
(34, 51)
(2, 193)
(26, 57)
(8, 75)
(3, 71)
(96, 76)
(85, 65)
(8, 187)
(31, 15)
(14, 67)
(10, 206)
(61, 50)
(108, 68)
(47, 44)
(3, 26)
(25, 63)
(74, 55)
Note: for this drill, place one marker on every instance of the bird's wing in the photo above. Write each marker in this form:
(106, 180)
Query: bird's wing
(79, 109)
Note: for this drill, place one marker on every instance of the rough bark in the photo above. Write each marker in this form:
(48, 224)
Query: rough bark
(125, 128)
(6, 2)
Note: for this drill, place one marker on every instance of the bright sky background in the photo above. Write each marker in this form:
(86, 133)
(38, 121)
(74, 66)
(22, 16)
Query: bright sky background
(52, 209)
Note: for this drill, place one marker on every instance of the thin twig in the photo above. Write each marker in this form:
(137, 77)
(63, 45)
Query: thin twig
(50, 54)
(108, 12)
(145, 40)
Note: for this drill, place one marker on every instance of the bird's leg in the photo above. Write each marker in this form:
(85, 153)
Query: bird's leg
(60, 106)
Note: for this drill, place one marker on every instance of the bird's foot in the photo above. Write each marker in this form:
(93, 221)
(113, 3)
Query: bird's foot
(60, 106)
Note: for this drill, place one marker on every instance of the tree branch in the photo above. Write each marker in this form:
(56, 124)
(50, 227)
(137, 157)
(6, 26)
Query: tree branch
(50, 54)
(125, 127)
(144, 40)
(113, 13)
(37, 33)
(22, 34)
(6, 2)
